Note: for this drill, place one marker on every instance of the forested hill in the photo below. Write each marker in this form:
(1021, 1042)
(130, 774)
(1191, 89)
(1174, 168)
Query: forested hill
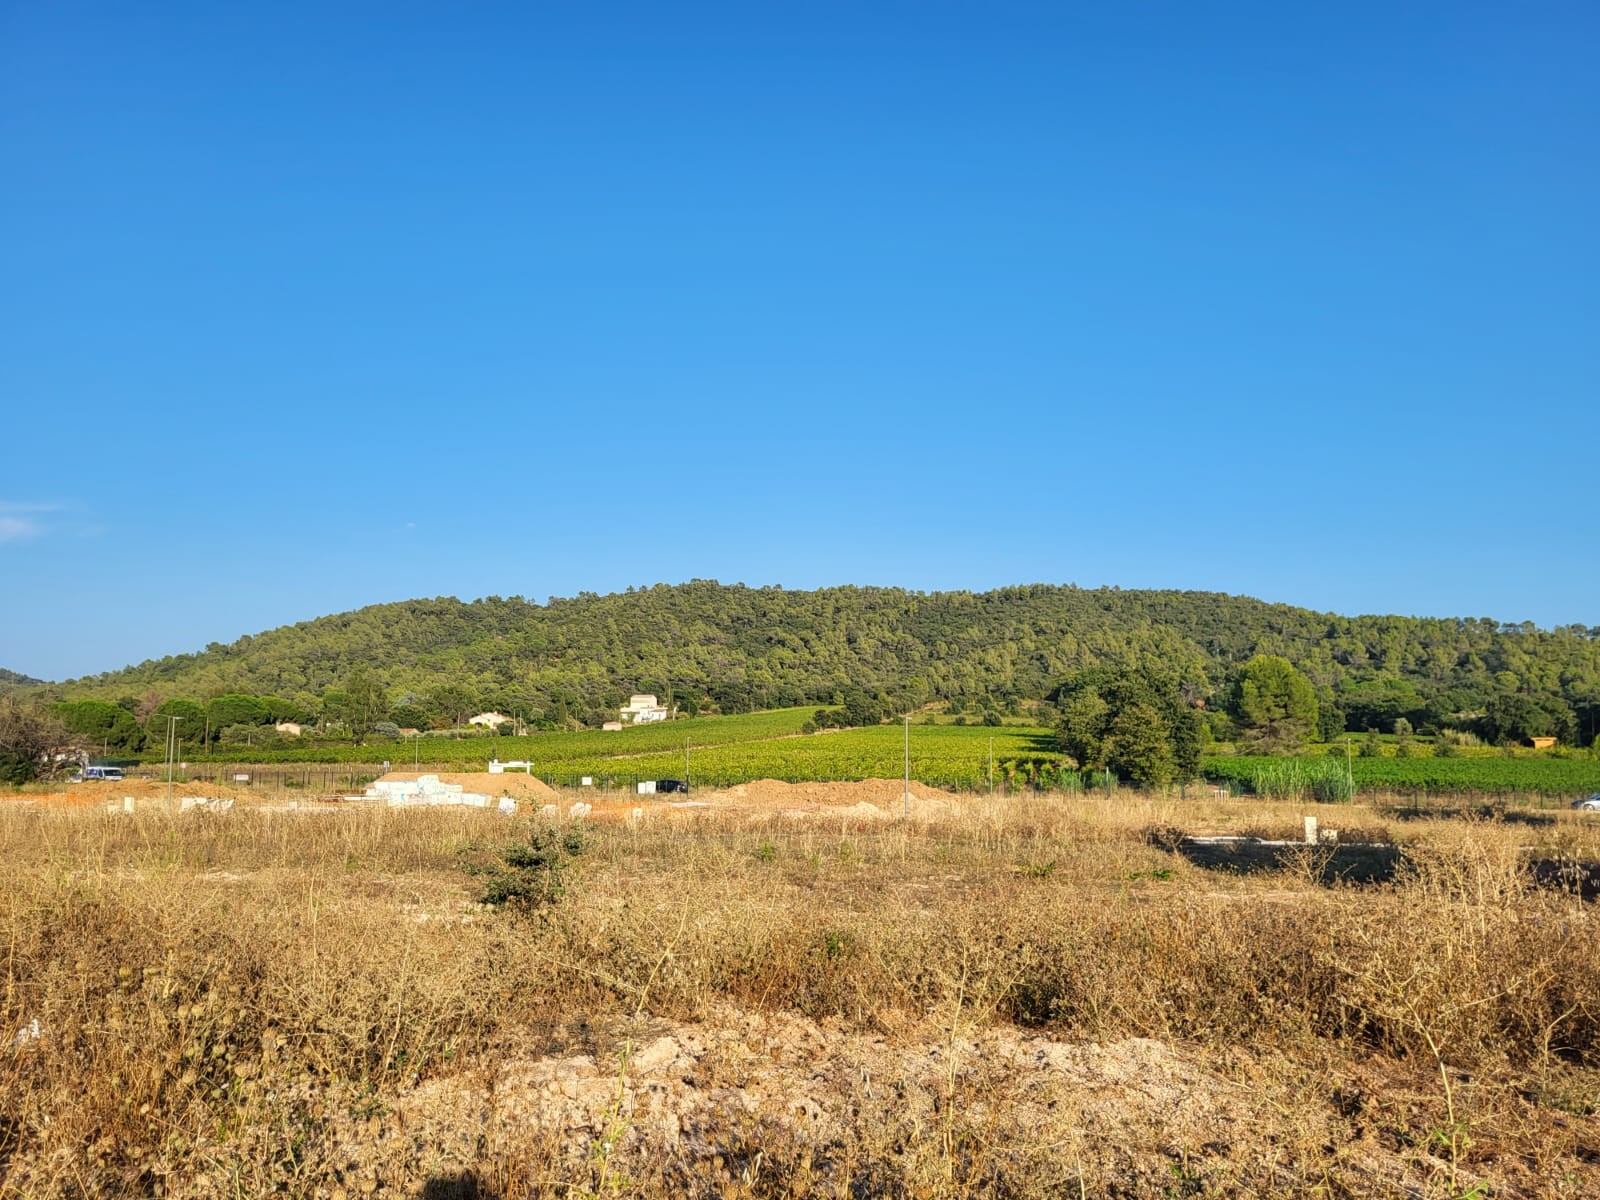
(737, 647)
(10, 680)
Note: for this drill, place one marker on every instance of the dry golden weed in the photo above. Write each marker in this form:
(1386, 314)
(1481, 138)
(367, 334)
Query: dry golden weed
(1023, 997)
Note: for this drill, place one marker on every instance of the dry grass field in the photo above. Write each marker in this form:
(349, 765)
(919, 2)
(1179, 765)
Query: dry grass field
(1002, 997)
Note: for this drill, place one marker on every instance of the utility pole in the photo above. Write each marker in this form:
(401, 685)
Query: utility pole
(685, 760)
(905, 798)
(172, 748)
(991, 765)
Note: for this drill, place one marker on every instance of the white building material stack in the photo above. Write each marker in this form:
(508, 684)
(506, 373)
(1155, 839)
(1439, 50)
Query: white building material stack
(204, 804)
(426, 790)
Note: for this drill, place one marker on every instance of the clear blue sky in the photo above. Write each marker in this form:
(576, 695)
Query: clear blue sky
(313, 306)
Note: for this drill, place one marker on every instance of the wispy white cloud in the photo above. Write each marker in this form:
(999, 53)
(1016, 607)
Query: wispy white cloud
(19, 519)
(14, 529)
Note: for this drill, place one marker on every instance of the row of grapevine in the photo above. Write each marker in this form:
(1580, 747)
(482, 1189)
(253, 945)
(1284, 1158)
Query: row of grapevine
(945, 756)
(771, 745)
(577, 746)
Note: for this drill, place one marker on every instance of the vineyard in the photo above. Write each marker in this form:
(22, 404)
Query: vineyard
(727, 750)
(963, 757)
(582, 747)
(774, 745)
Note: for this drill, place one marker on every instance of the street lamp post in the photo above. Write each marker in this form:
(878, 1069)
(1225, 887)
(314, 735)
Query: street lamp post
(172, 747)
(905, 798)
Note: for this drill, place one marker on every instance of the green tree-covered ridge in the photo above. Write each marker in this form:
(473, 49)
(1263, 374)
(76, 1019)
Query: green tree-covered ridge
(13, 679)
(737, 648)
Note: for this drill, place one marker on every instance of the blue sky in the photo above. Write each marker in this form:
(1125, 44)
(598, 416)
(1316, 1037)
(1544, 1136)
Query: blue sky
(315, 306)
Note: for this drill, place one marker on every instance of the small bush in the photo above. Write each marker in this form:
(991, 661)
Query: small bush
(528, 873)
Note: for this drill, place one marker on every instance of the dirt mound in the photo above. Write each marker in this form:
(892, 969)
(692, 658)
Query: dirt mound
(868, 799)
(105, 794)
(514, 784)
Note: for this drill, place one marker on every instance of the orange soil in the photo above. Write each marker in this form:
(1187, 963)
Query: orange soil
(514, 784)
(764, 799)
(101, 794)
(868, 799)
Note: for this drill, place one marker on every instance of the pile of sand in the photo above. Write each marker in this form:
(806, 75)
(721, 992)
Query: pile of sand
(514, 784)
(868, 799)
(107, 793)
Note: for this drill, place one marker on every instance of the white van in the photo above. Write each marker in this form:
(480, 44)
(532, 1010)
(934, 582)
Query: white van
(108, 774)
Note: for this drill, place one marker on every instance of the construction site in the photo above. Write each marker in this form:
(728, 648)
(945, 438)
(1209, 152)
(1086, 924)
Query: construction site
(508, 792)
(474, 984)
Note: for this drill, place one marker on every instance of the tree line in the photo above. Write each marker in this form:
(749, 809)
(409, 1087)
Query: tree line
(709, 647)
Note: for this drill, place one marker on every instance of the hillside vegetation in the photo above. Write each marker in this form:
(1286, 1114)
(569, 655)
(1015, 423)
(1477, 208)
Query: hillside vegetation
(734, 649)
(14, 679)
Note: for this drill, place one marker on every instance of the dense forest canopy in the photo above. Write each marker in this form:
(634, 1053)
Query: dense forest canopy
(735, 648)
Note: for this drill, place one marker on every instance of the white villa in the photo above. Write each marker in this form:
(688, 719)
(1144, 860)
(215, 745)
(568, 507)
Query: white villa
(642, 709)
(489, 720)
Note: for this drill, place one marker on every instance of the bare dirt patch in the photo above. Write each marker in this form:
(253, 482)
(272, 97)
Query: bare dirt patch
(513, 783)
(868, 799)
(700, 1108)
(105, 794)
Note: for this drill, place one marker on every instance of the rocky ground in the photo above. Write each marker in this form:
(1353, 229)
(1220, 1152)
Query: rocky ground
(748, 1104)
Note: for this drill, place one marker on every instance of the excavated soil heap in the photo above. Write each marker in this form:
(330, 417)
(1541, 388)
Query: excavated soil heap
(869, 799)
(106, 793)
(514, 784)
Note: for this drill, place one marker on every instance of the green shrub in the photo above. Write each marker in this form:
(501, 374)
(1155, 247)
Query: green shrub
(525, 874)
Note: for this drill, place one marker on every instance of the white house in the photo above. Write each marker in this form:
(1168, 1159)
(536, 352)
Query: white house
(642, 709)
(489, 720)
(293, 728)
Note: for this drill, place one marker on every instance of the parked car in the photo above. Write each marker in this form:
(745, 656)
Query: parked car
(1588, 803)
(672, 785)
(110, 774)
